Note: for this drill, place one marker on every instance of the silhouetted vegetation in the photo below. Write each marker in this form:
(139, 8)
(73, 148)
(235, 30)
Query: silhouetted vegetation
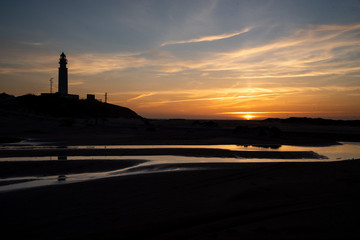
(258, 131)
(5, 97)
(207, 124)
(315, 121)
(267, 146)
(57, 106)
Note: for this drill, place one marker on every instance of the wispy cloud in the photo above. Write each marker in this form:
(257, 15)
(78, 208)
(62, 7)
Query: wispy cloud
(32, 43)
(234, 96)
(220, 98)
(97, 63)
(141, 96)
(16, 61)
(311, 52)
(76, 83)
(207, 38)
(272, 112)
(335, 27)
(315, 51)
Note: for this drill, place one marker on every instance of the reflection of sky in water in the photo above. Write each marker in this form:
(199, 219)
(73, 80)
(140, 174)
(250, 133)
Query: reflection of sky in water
(30, 182)
(347, 150)
(334, 153)
(338, 152)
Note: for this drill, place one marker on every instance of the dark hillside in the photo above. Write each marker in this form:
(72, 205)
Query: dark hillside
(57, 106)
(315, 121)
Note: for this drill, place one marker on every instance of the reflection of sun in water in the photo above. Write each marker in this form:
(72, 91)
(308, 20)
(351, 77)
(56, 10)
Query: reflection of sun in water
(248, 116)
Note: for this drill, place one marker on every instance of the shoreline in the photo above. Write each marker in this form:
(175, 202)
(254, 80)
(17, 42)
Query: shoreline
(190, 152)
(102, 161)
(55, 167)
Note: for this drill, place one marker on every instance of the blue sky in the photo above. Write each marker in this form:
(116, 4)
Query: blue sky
(196, 59)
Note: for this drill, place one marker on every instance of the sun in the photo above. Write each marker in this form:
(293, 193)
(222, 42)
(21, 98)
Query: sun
(248, 116)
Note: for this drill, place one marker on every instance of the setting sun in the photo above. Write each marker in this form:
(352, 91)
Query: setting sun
(248, 116)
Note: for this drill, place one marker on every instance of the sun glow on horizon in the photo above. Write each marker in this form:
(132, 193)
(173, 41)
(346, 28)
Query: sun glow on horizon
(248, 116)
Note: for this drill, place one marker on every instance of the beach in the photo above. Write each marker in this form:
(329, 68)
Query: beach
(202, 201)
(287, 199)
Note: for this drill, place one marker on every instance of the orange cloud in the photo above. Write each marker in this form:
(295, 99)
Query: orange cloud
(140, 96)
(76, 83)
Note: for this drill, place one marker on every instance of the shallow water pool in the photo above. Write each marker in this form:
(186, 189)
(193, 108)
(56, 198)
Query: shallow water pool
(344, 151)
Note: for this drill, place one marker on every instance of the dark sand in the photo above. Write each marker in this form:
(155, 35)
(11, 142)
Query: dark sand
(217, 201)
(208, 201)
(52, 130)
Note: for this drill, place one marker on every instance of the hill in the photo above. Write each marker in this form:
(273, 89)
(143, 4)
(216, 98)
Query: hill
(57, 106)
(314, 121)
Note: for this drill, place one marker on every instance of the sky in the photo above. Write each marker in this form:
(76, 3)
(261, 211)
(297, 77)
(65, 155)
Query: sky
(219, 59)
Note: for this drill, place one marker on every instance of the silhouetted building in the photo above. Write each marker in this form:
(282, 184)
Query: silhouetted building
(90, 97)
(63, 81)
(63, 75)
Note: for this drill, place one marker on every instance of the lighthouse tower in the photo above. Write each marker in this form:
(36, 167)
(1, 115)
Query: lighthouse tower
(63, 75)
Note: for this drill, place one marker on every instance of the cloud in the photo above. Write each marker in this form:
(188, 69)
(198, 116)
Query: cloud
(76, 83)
(32, 43)
(311, 52)
(234, 96)
(170, 69)
(224, 95)
(220, 98)
(141, 96)
(18, 61)
(208, 38)
(335, 27)
(95, 63)
(314, 51)
(283, 112)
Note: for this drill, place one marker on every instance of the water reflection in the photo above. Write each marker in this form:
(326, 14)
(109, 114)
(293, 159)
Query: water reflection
(346, 150)
(267, 146)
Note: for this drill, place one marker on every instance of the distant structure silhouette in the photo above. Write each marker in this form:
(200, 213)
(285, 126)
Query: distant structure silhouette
(51, 83)
(90, 97)
(63, 75)
(63, 90)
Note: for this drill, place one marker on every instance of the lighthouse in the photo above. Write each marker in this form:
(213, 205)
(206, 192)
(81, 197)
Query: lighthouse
(63, 75)
(63, 81)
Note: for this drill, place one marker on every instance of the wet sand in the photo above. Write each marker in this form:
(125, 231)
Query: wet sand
(208, 201)
(53, 167)
(190, 152)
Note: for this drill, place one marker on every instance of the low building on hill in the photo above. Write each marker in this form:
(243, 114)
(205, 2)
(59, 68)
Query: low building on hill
(90, 97)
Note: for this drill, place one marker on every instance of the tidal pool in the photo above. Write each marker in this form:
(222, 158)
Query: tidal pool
(343, 151)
